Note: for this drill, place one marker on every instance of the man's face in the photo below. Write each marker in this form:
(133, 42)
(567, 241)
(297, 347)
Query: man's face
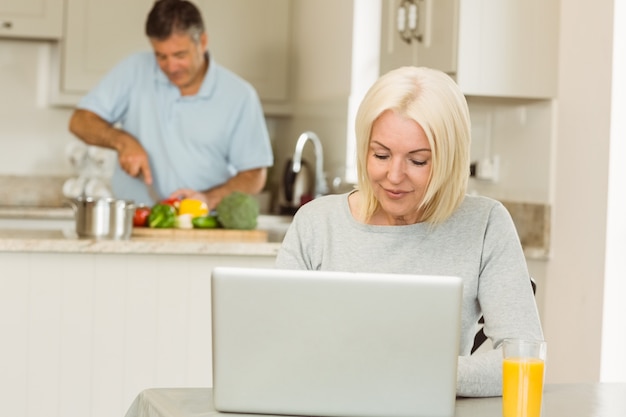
(181, 60)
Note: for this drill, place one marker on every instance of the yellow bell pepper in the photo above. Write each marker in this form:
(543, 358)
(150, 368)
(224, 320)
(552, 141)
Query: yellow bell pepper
(195, 208)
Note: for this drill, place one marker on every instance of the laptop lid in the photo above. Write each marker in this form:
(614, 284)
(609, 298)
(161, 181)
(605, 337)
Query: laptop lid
(334, 343)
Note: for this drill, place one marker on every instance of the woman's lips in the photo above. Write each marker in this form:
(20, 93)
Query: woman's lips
(395, 194)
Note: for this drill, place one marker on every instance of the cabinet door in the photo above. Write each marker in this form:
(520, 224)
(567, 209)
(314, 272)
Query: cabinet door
(42, 19)
(492, 47)
(250, 37)
(431, 41)
(98, 34)
(508, 48)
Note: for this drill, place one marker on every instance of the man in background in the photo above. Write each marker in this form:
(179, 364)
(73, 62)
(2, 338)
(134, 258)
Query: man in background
(181, 124)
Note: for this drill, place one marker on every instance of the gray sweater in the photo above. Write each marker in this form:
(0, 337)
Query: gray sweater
(478, 243)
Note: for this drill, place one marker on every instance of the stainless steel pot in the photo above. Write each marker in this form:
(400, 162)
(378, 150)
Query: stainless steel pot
(103, 218)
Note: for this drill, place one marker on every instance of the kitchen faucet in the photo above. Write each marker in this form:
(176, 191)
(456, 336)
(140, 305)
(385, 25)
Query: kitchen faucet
(320, 181)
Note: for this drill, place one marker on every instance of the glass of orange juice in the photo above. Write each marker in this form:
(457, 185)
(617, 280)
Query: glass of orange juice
(523, 369)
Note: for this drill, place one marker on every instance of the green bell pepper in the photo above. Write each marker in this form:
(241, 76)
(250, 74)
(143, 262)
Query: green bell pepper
(205, 222)
(162, 216)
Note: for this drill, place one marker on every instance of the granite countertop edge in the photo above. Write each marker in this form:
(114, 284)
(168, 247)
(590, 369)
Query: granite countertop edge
(66, 241)
(55, 242)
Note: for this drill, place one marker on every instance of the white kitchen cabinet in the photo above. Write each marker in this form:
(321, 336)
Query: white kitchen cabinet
(250, 37)
(37, 19)
(499, 48)
(98, 34)
(83, 333)
(428, 42)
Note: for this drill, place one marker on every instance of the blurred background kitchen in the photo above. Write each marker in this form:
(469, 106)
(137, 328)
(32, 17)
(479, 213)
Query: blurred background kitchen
(546, 89)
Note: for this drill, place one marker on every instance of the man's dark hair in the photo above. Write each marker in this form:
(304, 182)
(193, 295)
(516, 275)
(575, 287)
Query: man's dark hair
(174, 16)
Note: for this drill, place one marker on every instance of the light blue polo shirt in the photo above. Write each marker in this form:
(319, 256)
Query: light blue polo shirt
(193, 142)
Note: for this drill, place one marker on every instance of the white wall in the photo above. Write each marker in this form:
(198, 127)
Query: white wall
(613, 365)
(519, 133)
(33, 136)
(576, 273)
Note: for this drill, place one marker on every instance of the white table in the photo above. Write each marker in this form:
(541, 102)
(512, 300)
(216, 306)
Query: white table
(560, 400)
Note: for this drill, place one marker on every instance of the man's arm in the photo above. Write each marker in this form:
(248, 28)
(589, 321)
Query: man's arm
(251, 182)
(93, 130)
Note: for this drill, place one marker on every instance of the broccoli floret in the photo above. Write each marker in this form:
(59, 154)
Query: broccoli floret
(238, 211)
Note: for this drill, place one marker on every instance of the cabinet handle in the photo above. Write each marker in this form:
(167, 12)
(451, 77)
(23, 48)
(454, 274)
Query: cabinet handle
(407, 20)
(413, 21)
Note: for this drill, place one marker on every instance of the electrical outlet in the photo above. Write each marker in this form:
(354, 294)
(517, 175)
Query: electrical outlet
(487, 169)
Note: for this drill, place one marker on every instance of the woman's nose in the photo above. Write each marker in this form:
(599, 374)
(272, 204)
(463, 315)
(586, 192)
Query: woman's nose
(395, 174)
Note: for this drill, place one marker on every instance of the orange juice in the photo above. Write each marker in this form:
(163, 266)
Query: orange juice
(522, 387)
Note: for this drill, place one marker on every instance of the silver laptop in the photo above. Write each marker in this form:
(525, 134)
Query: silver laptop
(320, 343)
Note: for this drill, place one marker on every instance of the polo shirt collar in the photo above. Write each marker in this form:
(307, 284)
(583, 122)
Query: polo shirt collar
(210, 78)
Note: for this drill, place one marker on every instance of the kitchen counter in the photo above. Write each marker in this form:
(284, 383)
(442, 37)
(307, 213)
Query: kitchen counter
(19, 232)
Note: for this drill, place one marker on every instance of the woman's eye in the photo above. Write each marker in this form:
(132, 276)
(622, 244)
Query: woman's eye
(418, 163)
(380, 156)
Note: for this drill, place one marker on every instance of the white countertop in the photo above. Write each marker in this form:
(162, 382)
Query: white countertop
(19, 232)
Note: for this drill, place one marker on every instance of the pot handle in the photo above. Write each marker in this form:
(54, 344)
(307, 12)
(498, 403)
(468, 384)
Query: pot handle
(72, 204)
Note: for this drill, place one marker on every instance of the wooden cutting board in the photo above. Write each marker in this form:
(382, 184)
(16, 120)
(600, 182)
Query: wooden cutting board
(211, 235)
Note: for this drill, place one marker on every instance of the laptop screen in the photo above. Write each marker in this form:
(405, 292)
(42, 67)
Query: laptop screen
(334, 343)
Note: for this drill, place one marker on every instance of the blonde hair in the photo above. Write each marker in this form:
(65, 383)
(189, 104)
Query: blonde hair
(433, 100)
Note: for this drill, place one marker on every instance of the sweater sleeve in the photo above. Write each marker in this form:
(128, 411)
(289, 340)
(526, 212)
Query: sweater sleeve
(480, 375)
(507, 303)
(299, 247)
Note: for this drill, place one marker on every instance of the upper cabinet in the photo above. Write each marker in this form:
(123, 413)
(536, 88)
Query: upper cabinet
(36, 19)
(498, 48)
(251, 37)
(99, 33)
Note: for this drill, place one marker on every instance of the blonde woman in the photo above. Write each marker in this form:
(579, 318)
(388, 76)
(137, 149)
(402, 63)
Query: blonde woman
(410, 214)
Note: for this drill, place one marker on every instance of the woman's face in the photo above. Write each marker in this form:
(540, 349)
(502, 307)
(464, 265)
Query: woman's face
(398, 168)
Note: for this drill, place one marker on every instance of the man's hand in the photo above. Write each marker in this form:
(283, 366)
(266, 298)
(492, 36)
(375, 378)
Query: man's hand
(250, 182)
(188, 193)
(209, 197)
(93, 130)
(133, 157)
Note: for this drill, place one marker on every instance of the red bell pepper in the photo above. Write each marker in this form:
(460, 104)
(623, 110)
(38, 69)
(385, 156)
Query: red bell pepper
(140, 219)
